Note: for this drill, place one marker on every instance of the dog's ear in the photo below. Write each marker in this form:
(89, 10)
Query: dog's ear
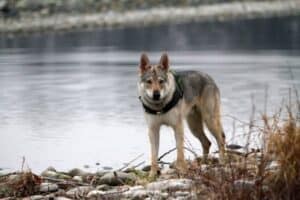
(144, 62)
(164, 61)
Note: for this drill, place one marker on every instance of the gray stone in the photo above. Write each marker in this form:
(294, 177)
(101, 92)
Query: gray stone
(136, 192)
(62, 198)
(117, 178)
(146, 168)
(95, 194)
(63, 176)
(104, 187)
(76, 172)
(51, 169)
(37, 197)
(79, 192)
(48, 187)
(77, 178)
(171, 185)
(50, 174)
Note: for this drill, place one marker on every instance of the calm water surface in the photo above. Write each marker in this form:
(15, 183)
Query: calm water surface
(70, 103)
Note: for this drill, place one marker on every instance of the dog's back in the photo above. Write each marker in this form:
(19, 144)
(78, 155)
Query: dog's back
(201, 91)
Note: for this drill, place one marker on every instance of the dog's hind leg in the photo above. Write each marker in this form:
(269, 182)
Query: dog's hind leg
(210, 109)
(195, 123)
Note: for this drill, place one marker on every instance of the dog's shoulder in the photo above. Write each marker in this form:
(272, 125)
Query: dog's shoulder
(193, 83)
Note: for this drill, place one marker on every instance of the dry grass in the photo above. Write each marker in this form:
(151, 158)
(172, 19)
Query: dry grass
(271, 172)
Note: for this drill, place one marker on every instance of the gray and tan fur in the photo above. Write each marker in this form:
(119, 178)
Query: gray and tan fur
(200, 105)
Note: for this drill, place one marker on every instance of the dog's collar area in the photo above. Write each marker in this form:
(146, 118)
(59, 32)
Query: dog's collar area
(178, 94)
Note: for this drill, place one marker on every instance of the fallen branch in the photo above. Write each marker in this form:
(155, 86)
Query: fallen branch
(130, 162)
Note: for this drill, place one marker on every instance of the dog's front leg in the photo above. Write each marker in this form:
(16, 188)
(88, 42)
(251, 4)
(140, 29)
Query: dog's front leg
(179, 136)
(154, 142)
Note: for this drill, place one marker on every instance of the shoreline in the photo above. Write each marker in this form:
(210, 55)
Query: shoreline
(155, 16)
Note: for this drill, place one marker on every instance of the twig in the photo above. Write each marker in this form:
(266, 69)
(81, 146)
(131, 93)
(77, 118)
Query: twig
(171, 150)
(130, 162)
(137, 165)
(168, 152)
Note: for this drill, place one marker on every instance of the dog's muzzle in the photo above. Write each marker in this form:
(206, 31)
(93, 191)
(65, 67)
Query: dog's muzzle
(156, 95)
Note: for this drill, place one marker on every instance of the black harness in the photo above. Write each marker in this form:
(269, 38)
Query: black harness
(178, 94)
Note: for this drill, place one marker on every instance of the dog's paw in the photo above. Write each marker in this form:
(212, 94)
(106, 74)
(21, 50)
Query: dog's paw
(181, 166)
(153, 175)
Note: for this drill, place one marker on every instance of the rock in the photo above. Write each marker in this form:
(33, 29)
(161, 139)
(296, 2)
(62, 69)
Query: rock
(51, 169)
(76, 172)
(37, 197)
(107, 168)
(136, 192)
(168, 174)
(234, 146)
(62, 198)
(77, 178)
(63, 176)
(79, 192)
(116, 193)
(95, 194)
(101, 173)
(171, 185)
(182, 194)
(50, 174)
(103, 187)
(117, 178)
(48, 187)
(147, 168)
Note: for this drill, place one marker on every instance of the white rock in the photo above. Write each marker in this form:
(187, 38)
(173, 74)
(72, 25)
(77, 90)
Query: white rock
(95, 193)
(48, 187)
(172, 184)
(37, 197)
(77, 178)
(80, 191)
(62, 198)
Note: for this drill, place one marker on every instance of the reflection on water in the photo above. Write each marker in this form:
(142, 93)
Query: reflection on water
(69, 105)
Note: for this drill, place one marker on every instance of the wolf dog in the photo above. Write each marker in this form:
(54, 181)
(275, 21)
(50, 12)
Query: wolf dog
(169, 97)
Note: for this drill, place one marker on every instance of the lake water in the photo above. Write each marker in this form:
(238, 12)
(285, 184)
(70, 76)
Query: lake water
(70, 100)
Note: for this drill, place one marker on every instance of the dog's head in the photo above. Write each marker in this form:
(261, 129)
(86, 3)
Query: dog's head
(154, 80)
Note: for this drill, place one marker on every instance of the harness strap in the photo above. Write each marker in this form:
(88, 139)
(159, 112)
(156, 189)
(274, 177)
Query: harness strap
(178, 94)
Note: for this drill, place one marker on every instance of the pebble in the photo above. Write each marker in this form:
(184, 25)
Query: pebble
(77, 178)
(50, 174)
(36, 197)
(76, 172)
(171, 185)
(79, 192)
(48, 187)
(62, 198)
(117, 178)
(103, 187)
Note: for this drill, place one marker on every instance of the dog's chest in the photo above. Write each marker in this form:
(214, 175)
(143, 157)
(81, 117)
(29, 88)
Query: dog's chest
(171, 118)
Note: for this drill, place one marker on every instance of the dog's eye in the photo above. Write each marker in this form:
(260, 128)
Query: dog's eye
(161, 81)
(149, 81)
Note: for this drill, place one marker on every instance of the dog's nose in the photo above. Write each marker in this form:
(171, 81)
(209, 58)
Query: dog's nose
(156, 95)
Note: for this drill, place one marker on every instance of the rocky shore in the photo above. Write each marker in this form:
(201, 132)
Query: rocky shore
(132, 183)
(44, 21)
